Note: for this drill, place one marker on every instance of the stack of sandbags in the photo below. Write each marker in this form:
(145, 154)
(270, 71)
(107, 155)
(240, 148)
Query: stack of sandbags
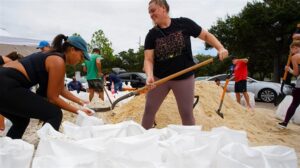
(128, 145)
(283, 107)
(15, 153)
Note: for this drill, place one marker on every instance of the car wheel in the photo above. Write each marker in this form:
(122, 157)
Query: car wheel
(267, 95)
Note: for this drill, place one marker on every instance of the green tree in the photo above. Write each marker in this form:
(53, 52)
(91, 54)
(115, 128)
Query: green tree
(76, 34)
(262, 32)
(131, 60)
(100, 41)
(216, 68)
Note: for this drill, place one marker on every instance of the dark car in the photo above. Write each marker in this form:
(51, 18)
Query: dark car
(136, 79)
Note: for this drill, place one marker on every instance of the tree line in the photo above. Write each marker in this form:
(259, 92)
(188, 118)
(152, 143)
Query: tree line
(261, 32)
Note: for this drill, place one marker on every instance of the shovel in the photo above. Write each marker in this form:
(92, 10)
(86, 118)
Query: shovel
(145, 89)
(223, 94)
(282, 95)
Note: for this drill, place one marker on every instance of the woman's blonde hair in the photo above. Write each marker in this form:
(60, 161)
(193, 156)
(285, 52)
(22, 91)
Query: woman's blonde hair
(162, 3)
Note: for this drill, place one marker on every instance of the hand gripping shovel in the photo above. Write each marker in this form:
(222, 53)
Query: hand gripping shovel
(281, 95)
(156, 83)
(223, 94)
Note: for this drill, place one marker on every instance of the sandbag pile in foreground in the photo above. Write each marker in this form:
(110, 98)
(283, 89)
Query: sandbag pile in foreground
(128, 145)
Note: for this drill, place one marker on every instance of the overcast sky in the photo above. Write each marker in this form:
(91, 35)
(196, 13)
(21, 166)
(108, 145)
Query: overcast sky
(124, 22)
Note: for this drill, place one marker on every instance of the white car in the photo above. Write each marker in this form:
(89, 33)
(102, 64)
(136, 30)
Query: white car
(264, 91)
(200, 78)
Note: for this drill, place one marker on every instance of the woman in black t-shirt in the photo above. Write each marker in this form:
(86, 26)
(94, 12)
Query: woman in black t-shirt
(167, 51)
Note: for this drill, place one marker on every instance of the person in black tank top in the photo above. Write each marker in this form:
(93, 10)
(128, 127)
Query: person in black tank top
(167, 51)
(19, 104)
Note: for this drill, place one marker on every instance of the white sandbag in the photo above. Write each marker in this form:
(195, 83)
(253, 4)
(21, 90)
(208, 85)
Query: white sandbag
(131, 152)
(164, 133)
(296, 117)
(230, 135)
(76, 132)
(84, 120)
(15, 153)
(123, 129)
(136, 148)
(241, 156)
(65, 152)
(182, 129)
(129, 163)
(199, 149)
(101, 162)
(193, 151)
(243, 101)
(278, 156)
(283, 107)
(47, 131)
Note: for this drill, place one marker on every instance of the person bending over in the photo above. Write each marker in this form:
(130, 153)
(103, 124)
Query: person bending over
(19, 104)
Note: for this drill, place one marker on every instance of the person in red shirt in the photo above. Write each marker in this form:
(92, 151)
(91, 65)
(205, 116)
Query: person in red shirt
(240, 77)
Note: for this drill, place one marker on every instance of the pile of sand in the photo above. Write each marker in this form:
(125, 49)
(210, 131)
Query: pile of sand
(260, 125)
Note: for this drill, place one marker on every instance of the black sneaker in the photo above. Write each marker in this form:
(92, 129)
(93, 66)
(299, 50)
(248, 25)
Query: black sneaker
(282, 125)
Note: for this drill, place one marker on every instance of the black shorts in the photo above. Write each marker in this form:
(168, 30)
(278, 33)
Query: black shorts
(240, 86)
(96, 84)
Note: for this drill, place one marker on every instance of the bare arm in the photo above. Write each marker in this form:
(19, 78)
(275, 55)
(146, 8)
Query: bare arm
(99, 67)
(56, 70)
(295, 62)
(148, 65)
(6, 59)
(68, 95)
(213, 41)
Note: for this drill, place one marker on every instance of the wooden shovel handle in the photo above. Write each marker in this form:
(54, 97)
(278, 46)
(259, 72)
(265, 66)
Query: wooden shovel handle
(287, 64)
(165, 79)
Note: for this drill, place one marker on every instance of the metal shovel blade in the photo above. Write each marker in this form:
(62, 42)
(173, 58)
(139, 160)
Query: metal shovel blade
(220, 114)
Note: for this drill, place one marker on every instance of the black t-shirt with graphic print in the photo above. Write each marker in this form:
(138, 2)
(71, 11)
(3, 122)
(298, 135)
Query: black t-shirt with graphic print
(172, 47)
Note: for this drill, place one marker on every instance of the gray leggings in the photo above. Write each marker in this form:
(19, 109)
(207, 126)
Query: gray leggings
(184, 94)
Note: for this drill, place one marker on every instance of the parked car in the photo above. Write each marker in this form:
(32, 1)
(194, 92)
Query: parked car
(136, 79)
(264, 91)
(199, 78)
(118, 70)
